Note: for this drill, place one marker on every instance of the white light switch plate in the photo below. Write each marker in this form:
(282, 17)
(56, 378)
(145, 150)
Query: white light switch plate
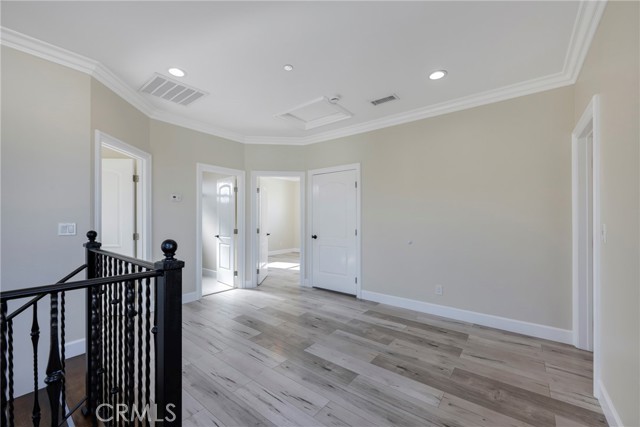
(66, 229)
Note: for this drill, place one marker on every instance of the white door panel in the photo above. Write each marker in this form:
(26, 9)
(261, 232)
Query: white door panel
(334, 222)
(226, 204)
(118, 206)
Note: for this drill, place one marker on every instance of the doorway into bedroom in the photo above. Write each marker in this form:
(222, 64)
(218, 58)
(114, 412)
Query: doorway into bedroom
(278, 243)
(220, 232)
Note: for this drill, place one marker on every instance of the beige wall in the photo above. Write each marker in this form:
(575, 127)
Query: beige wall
(176, 152)
(611, 70)
(46, 163)
(485, 197)
(114, 116)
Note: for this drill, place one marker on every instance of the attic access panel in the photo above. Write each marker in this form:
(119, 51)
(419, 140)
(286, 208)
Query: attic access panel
(316, 113)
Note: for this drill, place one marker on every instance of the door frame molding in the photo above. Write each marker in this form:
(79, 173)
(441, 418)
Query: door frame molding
(341, 168)
(240, 243)
(143, 163)
(589, 123)
(254, 222)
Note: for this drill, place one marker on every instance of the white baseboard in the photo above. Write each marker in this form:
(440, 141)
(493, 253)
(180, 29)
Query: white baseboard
(209, 273)
(504, 323)
(283, 251)
(610, 413)
(74, 348)
(189, 297)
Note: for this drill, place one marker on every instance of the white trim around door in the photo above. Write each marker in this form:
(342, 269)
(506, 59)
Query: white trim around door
(240, 244)
(587, 126)
(254, 221)
(307, 240)
(143, 202)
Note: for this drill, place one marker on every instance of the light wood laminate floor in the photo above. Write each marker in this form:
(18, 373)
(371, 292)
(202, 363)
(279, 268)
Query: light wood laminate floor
(291, 356)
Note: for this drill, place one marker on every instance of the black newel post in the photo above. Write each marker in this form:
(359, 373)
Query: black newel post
(91, 345)
(169, 337)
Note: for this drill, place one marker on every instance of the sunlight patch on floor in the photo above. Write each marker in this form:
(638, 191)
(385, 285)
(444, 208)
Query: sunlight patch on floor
(284, 265)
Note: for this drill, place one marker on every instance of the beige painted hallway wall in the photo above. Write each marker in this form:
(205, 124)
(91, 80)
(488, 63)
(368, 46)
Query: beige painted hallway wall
(485, 197)
(45, 180)
(612, 70)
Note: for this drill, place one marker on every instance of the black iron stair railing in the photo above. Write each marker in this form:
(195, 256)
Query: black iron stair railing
(129, 303)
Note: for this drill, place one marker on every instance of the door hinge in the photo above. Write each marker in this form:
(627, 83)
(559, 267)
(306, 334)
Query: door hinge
(356, 231)
(356, 280)
(257, 271)
(235, 189)
(136, 178)
(258, 190)
(258, 231)
(356, 184)
(235, 231)
(235, 273)
(136, 236)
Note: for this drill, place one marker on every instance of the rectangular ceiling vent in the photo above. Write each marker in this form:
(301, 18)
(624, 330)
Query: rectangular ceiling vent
(313, 114)
(171, 90)
(389, 98)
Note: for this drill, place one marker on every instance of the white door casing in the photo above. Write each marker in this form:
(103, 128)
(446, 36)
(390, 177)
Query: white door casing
(143, 196)
(118, 206)
(334, 231)
(304, 208)
(226, 204)
(263, 235)
(589, 234)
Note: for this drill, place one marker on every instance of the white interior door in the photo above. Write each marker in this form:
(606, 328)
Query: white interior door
(333, 230)
(226, 204)
(263, 235)
(118, 206)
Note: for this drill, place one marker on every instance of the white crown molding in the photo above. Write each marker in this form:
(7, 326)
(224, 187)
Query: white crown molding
(196, 125)
(584, 29)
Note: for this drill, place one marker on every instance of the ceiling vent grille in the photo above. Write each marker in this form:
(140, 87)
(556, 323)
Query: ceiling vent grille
(319, 112)
(389, 98)
(171, 90)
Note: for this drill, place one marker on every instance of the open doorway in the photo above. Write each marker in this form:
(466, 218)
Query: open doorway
(587, 233)
(122, 197)
(278, 224)
(220, 257)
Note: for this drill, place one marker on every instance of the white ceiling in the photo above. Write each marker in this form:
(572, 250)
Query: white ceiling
(235, 51)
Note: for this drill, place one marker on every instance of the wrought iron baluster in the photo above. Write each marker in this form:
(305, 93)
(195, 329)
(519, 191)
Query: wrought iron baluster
(147, 342)
(54, 367)
(11, 410)
(120, 321)
(35, 337)
(139, 326)
(62, 348)
(130, 355)
(3, 362)
(95, 349)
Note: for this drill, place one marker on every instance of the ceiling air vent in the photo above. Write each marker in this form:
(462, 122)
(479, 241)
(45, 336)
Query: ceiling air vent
(171, 90)
(389, 98)
(319, 112)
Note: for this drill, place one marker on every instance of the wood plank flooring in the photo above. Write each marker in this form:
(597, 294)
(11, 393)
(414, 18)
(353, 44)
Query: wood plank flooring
(291, 356)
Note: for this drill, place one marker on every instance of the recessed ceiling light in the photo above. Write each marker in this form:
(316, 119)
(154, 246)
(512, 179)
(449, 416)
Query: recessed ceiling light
(177, 72)
(437, 75)
(288, 67)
